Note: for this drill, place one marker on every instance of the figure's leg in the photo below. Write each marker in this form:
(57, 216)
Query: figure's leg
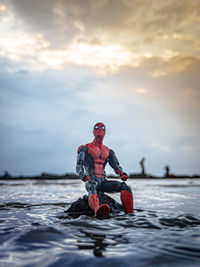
(93, 200)
(127, 199)
(126, 193)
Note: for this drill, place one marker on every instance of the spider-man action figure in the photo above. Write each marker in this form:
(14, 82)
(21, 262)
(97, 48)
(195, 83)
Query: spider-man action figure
(91, 162)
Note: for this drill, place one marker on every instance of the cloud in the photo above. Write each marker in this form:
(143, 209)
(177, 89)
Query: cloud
(141, 90)
(113, 33)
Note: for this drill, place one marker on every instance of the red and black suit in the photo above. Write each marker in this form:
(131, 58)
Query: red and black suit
(91, 161)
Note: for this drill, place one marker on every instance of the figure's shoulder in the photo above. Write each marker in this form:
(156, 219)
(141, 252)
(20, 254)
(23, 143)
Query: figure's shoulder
(89, 145)
(106, 148)
(82, 148)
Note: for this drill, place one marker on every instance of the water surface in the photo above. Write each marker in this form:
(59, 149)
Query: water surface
(36, 231)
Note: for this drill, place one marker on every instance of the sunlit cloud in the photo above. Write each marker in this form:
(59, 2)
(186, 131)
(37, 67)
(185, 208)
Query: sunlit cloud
(3, 8)
(142, 91)
(104, 58)
(89, 55)
(169, 64)
(68, 35)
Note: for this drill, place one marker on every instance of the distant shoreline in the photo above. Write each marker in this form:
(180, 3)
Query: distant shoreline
(72, 176)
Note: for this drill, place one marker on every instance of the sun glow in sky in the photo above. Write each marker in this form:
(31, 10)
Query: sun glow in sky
(130, 63)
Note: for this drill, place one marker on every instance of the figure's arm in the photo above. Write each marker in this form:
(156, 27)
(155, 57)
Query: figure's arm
(114, 163)
(82, 150)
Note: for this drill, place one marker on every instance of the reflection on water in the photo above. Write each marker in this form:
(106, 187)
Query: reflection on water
(95, 242)
(163, 231)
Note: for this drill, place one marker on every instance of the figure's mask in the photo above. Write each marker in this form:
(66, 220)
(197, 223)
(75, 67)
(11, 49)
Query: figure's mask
(99, 130)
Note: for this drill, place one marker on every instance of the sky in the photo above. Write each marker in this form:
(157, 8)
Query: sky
(67, 64)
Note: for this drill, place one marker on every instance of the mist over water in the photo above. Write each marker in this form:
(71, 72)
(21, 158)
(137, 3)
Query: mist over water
(36, 231)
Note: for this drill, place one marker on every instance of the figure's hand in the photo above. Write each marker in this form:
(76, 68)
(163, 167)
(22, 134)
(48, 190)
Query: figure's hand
(87, 178)
(124, 176)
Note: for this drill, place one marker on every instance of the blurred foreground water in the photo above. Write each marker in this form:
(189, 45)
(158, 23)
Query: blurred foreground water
(36, 231)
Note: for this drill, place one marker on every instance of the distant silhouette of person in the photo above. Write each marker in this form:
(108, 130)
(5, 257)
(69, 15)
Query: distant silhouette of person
(167, 170)
(6, 174)
(143, 173)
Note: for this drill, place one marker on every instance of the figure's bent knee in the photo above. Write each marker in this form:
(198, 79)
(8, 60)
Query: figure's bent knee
(124, 186)
(91, 187)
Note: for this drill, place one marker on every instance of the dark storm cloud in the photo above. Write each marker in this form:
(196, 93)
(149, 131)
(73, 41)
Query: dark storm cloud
(171, 15)
(42, 17)
(50, 13)
(64, 19)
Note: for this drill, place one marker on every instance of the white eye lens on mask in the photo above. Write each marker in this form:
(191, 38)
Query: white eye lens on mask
(96, 127)
(103, 127)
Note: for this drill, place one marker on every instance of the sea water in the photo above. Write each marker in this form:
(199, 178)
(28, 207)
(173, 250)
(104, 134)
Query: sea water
(36, 231)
